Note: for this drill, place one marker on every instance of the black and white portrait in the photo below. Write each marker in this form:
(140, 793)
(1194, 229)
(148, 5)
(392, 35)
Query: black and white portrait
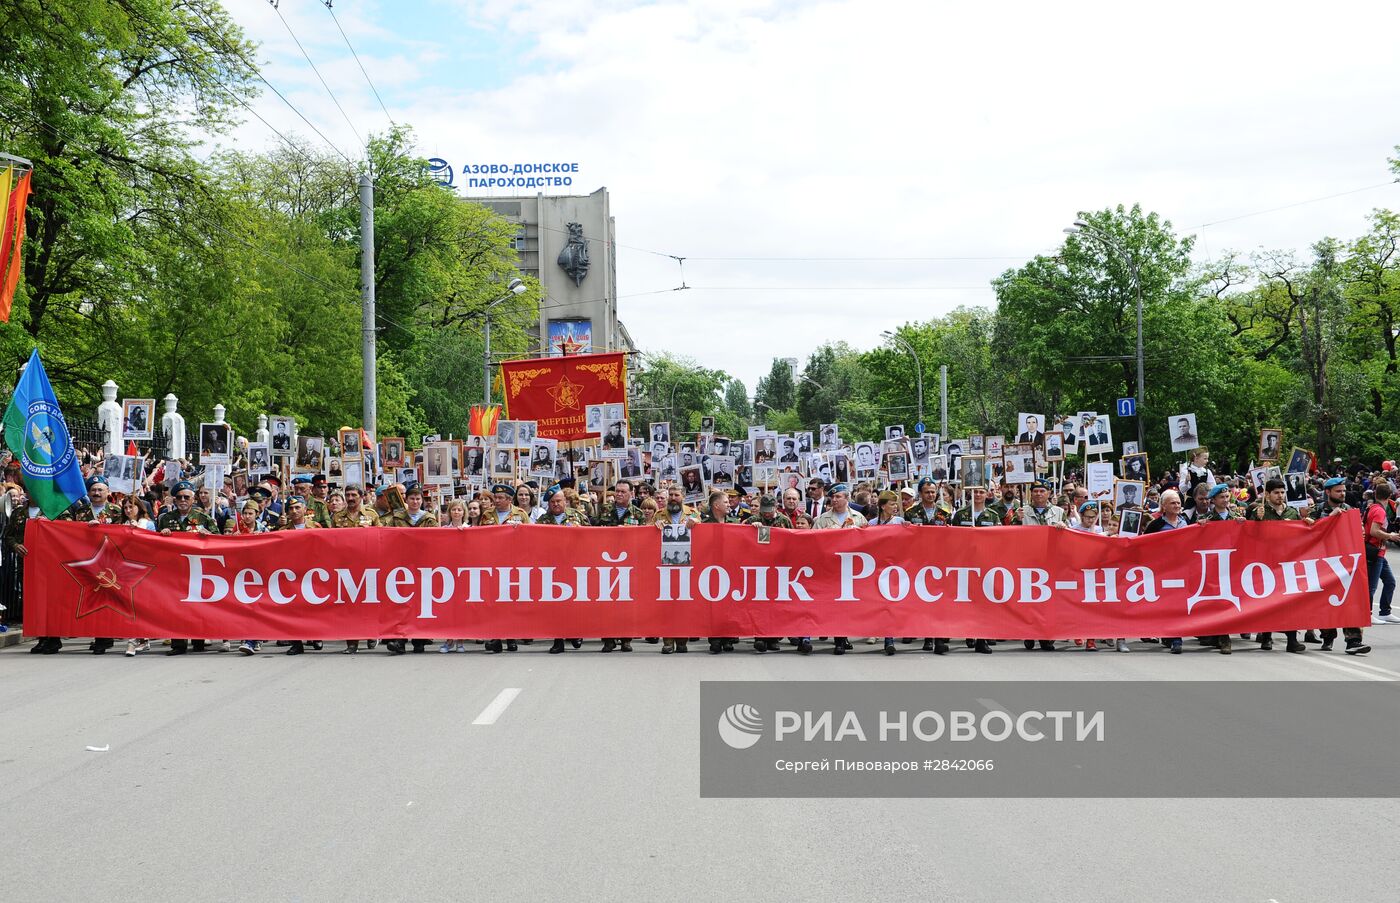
(259, 457)
(310, 450)
(138, 414)
(215, 439)
(283, 428)
(829, 437)
(1183, 432)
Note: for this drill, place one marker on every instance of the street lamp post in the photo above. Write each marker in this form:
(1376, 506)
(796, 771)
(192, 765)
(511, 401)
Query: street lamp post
(918, 367)
(516, 287)
(1081, 227)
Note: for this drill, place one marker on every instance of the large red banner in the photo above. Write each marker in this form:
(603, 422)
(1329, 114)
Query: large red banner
(544, 581)
(554, 391)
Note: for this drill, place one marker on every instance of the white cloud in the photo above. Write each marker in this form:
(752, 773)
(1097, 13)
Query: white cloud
(859, 130)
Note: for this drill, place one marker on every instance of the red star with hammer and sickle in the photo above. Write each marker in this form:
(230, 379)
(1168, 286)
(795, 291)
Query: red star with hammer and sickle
(565, 394)
(108, 580)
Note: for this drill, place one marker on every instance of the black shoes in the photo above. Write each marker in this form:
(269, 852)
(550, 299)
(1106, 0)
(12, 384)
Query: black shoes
(608, 645)
(981, 646)
(557, 648)
(1295, 646)
(804, 647)
(1356, 647)
(296, 648)
(889, 648)
(576, 643)
(928, 645)
(941, 648)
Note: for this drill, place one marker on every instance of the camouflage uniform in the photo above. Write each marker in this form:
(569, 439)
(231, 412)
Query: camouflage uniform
(733, 518)
(317, 510)
(1213, 516)
(572, 517)
(964, 517)
(82, 512)
(365, 517)
(516, 515)
(399, 518)
(632, 516)
(917, 515)
(779, 519)
(306, 524)
(1263, 511)
(172, 520)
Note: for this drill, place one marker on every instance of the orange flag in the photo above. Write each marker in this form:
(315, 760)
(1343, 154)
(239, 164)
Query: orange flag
(16, 185)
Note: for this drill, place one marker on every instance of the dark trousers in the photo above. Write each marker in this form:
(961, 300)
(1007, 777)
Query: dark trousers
(1378, 573)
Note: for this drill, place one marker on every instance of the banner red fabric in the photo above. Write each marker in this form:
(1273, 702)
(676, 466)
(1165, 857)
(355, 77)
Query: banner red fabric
(543, 581)
(553, 391)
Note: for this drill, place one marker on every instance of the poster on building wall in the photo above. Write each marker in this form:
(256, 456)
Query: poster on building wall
(570, 337)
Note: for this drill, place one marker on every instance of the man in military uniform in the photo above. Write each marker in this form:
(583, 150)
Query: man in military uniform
(926, 511)
(719, 512)
(839, 516)
(315, 491)
(557, 513)
(1334, 502)
(622, 512)
(1218, 511)
(976, 514)
(354, 514)
(1275, 507)
(1039, 513)
(409, 514)
(1007, 505)
(95, 509)
(184, 518)
(768, 516)
(505, 511)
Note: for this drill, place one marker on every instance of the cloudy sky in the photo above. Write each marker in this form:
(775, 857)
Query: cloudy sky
(831, 170)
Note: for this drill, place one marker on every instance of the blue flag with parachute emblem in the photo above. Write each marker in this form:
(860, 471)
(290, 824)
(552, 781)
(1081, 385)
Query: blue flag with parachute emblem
(38, 435)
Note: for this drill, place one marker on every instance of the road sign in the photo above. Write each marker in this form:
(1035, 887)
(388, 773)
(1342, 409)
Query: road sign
(1127, 407)
(919, 427)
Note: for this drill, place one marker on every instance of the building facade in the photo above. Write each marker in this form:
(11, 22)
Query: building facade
(567, 242)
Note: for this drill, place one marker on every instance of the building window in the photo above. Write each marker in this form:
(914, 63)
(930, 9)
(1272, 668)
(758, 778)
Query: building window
(520, 240)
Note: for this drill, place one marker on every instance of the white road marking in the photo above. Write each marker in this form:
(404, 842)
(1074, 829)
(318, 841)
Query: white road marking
(1355, 672)
(1356, 661)
(498, 705)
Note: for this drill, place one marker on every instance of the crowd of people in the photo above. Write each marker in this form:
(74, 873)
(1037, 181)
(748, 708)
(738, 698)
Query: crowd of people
(1179, 498)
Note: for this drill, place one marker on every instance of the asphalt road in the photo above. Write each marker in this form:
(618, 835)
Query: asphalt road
(330, 777)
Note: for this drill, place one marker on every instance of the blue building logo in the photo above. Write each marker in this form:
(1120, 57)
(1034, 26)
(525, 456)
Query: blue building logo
(441, 171)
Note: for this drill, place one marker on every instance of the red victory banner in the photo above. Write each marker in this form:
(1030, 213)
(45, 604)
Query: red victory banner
(545, 581)
(553, 391)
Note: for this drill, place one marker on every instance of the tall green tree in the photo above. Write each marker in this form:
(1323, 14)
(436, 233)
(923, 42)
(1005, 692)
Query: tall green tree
(776, 390)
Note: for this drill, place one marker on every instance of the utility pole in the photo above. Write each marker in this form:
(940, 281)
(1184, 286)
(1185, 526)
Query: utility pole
(943, 401)
(367, 338)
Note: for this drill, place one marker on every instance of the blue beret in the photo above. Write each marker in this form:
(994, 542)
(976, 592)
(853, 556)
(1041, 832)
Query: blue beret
(296, 497)
(183, 485)
(1088, 505)
(551, 492)
(301, 478)
(926, 481)
(1040, 483)
(1219, 488)
(839, 487)
(95, 479)
(1335, 481)
(380, 491)
(503, 487)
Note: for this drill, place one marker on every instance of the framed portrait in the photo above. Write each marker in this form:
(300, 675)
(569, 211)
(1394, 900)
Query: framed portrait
(240, 484)
(973, 472)
(840, 467)
(599, 475)
(1182, 429)
(707, 424)
(505, 434)
(867, 460)
(993, 446)
(391, 451)
(282, 437)
(542, 453)
(1054, 446)
(996, 469)
(631, 467)
(593, 418)
(787, 451)
(894, 432)
(938, 468)
(953, 451)
(310, 454)
(897, 465)
(1130, 448)
(503, 463)
(334, 471)
(722, 472)
(354, 472)
(124, 472)
(408, 476)
(1128, 494)
(829, 437)
(1259, 476)
(525, 433)
(437, 464)
(1134, 467)
(138, 418)
(1130, 522)
(1068, 428)
(349, 443)
(1299, 460)
(804, 442)
(1030, 427)
(1098, 480)
(977, 445)
(920, 450)
(259, 458)
(1019, 463)
(893, 447)
(215, 442)
(1098, 435)
(1295, 484)
(1270, 443)
(721, 446)
(660, 432)
(693, 483)
(474, 463)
